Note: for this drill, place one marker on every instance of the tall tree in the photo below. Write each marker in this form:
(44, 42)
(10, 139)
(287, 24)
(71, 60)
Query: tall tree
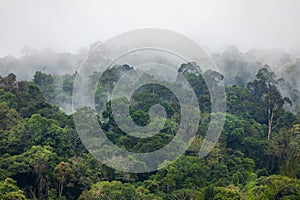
(264, 89)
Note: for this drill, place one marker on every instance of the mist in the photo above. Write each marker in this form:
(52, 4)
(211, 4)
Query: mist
(241, 36)
(67, 25)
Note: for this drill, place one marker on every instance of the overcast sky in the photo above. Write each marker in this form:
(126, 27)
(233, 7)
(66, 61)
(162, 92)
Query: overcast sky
(67, 25)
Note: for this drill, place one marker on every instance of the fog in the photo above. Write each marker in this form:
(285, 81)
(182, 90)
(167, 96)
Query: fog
(68, 25)
(54, 36)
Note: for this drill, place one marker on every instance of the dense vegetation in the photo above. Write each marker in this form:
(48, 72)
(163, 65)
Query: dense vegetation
(42, 157)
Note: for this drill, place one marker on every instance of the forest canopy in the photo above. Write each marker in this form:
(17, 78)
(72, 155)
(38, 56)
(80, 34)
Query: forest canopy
(256, 157)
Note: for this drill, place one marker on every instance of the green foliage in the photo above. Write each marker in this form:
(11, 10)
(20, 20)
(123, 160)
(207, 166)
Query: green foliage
(264, 89)
(46, 84)
(10, 191)
(185, 172)
(219, 193)
(274, 187)
(285, 146)
(9, 98)
(109, 190)
(8, 117)
(42, 152)
(37, 130)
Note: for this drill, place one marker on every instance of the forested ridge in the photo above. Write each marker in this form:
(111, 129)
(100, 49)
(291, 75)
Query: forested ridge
(257, 156)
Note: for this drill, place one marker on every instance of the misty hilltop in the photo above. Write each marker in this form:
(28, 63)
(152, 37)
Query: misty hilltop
(59, 63)
(237, 67)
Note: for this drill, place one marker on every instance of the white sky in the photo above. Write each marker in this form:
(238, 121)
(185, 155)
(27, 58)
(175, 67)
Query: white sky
(67, 25)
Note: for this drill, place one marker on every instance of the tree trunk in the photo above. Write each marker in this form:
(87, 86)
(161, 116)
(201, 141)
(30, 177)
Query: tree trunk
(61, 186)
(269, 115)
(270, 125)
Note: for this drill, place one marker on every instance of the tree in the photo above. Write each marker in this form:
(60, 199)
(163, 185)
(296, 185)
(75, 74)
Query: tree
(37, 130)
(64, 174)
(285, 146)
(9, 98)
(39, 160)
(185, 172)
(46, 84)
(264, 89)
(31, 169)
(212, 78)
(8, 117)
(109, 190)
(273, 187)
(187, 194)
(10, 191)
(221, 193)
